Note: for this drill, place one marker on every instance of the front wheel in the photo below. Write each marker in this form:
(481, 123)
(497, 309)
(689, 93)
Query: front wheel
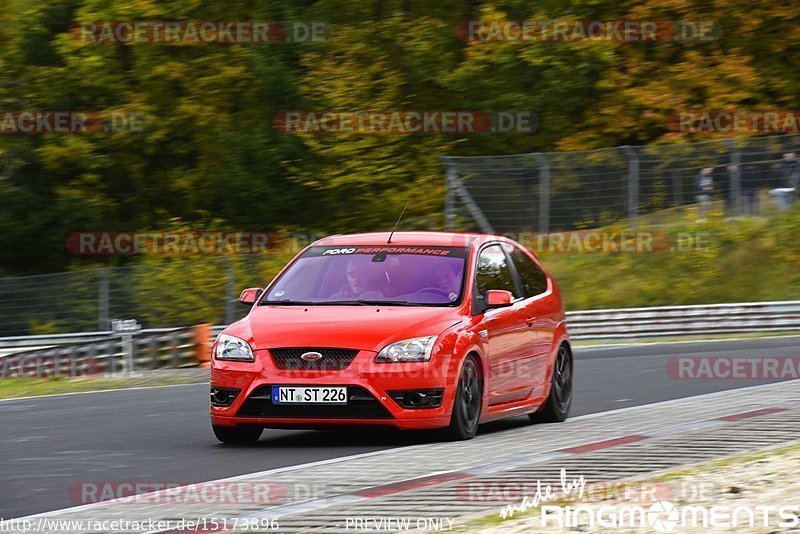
(556, 407)
(467, 404)
(237, 435)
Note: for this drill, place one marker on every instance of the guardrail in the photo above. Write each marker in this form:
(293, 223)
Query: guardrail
(149, 349)
(47, 340)
(682, 321)
(176, 347)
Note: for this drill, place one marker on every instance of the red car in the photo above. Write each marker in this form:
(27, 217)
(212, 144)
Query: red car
(416, 330)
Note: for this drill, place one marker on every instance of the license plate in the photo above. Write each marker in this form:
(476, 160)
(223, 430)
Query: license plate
(309, 395)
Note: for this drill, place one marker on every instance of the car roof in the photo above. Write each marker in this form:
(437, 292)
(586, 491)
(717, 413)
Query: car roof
(442, 239)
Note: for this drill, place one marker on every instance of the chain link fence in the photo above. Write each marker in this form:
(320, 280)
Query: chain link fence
(527, 192)
(172, 293)
(544, 192)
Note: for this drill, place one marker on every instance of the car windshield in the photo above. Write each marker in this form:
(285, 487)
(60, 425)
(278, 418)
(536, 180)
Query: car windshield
(373, 275)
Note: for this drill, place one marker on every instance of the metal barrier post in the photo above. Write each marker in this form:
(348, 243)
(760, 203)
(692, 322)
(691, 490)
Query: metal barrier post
(125, 329)
(633, 184)
(735, 177)
(102, 301)
(449, 199)
(230, 292)
(544, 194)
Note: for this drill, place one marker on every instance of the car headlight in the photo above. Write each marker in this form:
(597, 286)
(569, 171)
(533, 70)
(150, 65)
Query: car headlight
(233, 348)
(417, 349)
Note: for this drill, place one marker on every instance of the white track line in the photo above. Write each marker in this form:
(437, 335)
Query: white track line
(34, 397)
(634, 344)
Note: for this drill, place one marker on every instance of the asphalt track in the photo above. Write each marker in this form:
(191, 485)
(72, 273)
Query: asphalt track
(163, 434)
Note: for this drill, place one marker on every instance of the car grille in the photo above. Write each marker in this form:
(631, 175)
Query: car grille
(332, 359)
(360, 405)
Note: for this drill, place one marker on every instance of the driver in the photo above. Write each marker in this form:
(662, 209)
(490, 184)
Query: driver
(448, 281)
(356, 286)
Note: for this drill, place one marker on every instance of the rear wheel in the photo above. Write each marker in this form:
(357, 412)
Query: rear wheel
(468, 402)
(237, 435)
(556, 407)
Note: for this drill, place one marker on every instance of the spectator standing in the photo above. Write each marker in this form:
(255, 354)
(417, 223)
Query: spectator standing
(752, 184)
(705, 187)
(786, 192)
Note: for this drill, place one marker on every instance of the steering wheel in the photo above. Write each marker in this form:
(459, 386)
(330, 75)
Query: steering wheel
(440, 291)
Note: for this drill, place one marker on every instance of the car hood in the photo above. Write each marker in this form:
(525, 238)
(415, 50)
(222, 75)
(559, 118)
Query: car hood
(355, 327)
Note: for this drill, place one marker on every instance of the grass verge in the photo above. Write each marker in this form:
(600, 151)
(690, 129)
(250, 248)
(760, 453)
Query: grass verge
(32, 387)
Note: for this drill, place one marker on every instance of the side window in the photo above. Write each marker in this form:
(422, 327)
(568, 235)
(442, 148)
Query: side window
(533, 280)
(493, 271)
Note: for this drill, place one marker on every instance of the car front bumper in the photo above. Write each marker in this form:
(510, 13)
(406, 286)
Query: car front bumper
(370, 386)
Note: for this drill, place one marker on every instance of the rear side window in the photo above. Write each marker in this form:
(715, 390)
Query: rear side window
(493, 271)
(533, 280)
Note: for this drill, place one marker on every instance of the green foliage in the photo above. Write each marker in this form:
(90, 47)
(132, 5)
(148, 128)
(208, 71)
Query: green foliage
(719, 261)
(210, 150)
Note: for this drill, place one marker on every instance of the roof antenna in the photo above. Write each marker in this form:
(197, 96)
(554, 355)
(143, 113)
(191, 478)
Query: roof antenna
(389, 241)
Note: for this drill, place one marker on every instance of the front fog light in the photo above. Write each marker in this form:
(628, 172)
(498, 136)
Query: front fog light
(223, 396)
(417, 349)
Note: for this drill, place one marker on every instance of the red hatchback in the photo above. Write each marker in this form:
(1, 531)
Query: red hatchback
(419, 330)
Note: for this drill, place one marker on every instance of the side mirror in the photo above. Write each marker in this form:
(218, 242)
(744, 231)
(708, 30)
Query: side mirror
(250, 295)
(498, 298)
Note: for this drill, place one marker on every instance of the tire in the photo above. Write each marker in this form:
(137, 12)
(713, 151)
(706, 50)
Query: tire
(556, 407)
(237, 435)
(468, 403)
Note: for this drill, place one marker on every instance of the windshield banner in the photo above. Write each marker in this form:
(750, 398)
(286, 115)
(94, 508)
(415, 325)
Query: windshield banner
(451, 252)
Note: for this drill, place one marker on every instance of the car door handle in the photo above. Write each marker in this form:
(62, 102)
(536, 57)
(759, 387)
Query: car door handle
(530, 321)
